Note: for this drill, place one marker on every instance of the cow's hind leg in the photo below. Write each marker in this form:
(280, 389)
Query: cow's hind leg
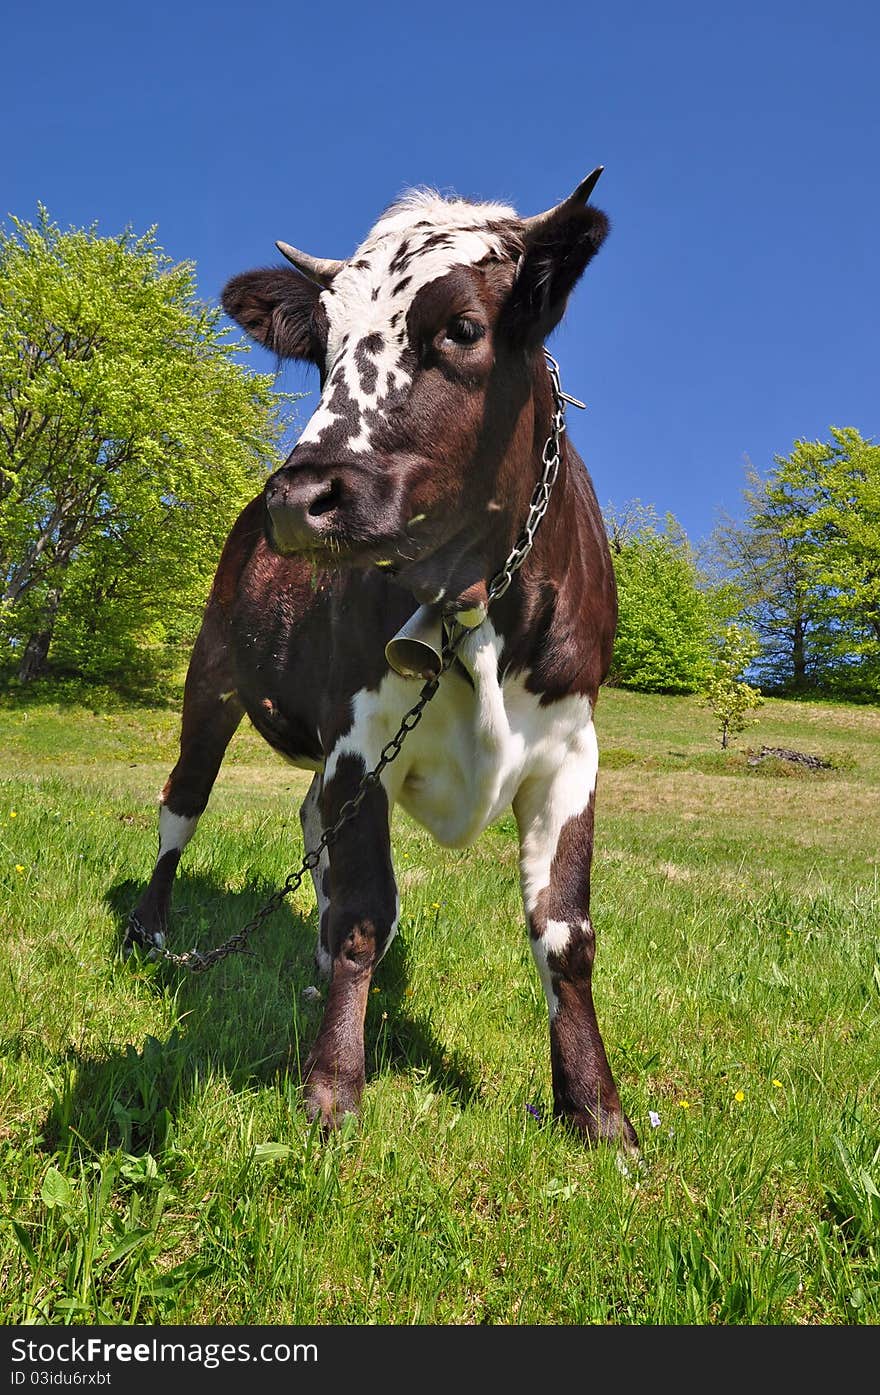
(361, 922)
(211, 714)
(555, 819)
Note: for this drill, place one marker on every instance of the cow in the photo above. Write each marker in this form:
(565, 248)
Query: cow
(408, 490)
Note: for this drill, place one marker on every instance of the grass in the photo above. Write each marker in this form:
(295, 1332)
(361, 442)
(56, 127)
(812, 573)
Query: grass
(155, 1163)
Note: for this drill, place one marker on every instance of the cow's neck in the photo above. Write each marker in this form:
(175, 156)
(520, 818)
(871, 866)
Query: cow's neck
(566, 576)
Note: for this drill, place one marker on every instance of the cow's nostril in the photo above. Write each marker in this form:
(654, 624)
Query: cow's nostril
(324, 502)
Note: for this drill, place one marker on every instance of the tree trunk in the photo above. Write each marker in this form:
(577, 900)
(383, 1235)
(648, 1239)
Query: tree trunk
(36, 651)
(798, 655)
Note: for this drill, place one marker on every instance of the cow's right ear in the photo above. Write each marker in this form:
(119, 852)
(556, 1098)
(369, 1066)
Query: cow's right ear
(552, 264)
(277, 307)
(557, 246)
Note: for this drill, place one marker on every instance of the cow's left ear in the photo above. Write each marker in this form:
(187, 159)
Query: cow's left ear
(557, 248)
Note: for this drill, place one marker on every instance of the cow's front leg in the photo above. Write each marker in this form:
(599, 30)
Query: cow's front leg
(361, 923)
(312, 828)
(555, 819)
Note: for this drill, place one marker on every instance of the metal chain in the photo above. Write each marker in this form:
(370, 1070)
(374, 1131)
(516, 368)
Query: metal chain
(197, 961)
(540, 500)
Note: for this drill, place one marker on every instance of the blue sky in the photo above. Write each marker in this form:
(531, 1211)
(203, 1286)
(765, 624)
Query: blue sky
(734, 307)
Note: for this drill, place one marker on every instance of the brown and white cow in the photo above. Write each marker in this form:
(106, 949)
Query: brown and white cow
(409, 486)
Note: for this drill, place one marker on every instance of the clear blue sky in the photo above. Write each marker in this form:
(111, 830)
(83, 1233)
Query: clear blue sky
(734, 307)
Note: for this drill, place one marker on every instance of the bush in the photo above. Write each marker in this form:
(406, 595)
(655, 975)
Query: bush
(664, 619)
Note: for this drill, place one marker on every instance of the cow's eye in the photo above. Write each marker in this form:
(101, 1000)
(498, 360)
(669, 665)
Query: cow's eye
(461, 330)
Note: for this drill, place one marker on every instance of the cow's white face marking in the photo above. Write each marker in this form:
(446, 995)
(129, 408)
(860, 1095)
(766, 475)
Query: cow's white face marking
(416, 242)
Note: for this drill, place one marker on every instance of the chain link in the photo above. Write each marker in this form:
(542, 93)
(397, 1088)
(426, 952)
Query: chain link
(198, 961)
(551, 456)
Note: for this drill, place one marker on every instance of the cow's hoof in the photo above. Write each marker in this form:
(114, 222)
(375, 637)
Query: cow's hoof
(604, 1127)
(626, 1138)
(330, 1100)
(140, 936)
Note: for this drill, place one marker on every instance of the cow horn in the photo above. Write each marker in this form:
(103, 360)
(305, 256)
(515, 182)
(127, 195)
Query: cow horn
(539, 221)
(321, 270)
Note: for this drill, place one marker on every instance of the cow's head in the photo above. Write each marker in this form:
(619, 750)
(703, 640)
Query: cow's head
(419, 456)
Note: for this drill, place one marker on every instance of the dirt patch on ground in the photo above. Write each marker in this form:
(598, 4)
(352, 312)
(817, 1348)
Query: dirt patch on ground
(802, 758)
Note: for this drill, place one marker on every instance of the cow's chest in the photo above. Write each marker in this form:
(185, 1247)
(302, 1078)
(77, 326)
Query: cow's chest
(476, 745)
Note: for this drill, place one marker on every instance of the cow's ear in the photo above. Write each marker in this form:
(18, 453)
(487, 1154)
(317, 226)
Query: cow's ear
(553, 260)
(276, 307)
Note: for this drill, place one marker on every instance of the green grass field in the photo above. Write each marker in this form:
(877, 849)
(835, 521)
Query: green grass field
(156, 1166)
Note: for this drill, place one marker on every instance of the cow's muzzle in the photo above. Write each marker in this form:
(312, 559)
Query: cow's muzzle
(302, 508)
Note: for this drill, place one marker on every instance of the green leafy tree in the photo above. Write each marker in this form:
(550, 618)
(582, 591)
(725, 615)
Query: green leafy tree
(726, 692)
(130, 438)
(769, 570)
(831, 490)
(664, 609)
(807, 560)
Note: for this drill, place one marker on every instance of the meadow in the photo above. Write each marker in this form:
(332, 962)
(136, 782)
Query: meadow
(156, 1165)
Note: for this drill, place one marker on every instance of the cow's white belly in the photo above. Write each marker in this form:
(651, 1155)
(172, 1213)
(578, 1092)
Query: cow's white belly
(474, 747)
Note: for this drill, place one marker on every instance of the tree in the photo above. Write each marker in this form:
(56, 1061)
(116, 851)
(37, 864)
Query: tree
(807, 559)
(664, 611)
(129, 441)
(770, 573)
(832, 490)
(726, 693)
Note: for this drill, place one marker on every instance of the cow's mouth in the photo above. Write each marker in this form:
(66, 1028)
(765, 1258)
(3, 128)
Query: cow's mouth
(325, 535)
(333, 548)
